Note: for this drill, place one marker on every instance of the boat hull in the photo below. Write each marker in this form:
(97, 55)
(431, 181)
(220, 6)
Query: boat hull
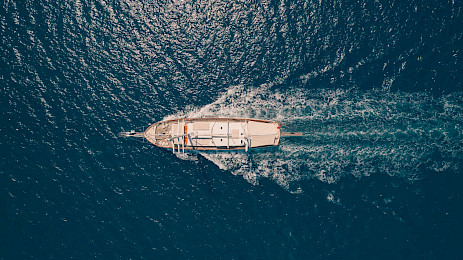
(213, 134)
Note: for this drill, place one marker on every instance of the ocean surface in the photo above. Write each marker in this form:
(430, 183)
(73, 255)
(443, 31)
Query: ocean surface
(376, 87)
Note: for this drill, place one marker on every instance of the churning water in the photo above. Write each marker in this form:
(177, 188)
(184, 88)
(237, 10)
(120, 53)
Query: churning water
(345, 132)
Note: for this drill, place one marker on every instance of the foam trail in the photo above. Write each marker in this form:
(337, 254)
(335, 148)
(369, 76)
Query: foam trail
(346, 132)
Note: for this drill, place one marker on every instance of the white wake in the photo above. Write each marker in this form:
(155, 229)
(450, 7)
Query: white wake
(346, 132)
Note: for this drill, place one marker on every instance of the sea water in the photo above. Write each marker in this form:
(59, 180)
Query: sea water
(376, 88)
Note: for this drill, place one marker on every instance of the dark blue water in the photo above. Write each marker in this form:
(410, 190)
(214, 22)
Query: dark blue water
(376, 86)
